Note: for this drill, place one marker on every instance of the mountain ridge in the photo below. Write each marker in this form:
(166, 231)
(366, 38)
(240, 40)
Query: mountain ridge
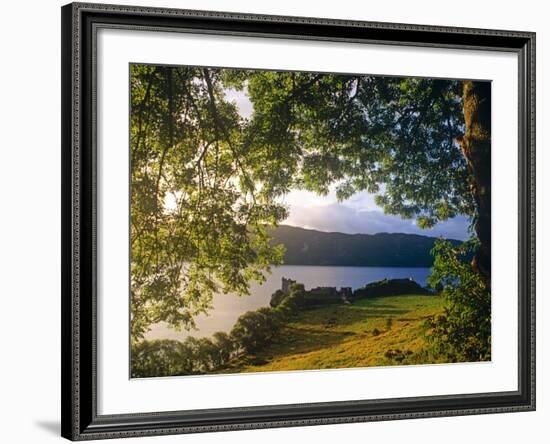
(313, 247)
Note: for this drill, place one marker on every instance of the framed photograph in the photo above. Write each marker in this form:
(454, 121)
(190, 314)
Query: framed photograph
(280, 221)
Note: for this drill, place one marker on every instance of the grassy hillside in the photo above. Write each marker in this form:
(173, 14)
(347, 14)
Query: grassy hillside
(371, 332)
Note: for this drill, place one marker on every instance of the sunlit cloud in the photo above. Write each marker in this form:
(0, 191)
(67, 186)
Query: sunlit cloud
(339, 217)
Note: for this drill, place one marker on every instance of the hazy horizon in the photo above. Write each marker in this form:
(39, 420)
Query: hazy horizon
(357, 215)
(360, 215)
(368, 234)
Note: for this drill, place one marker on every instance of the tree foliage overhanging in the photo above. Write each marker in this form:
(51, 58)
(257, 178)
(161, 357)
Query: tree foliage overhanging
(207, 182)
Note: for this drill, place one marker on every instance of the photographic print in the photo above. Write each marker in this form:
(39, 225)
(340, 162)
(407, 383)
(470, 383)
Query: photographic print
(287, 220)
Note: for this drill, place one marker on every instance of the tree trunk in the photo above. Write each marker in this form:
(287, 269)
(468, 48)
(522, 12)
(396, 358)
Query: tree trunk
(476, 146)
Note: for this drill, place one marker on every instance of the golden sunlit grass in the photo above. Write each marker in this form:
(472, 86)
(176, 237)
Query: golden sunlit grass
(367, 333)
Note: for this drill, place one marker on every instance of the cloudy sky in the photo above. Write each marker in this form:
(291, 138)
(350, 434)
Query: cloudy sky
(359, 214)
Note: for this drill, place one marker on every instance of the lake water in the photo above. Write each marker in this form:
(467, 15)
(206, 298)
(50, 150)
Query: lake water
(227, 308)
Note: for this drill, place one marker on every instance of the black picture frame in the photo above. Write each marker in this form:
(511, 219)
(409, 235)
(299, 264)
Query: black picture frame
(80, 420)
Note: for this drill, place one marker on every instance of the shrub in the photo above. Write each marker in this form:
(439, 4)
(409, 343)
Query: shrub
(159, 358)
(226, 347)
(205, 356)
(294, 301)
(255, 329)
(252, 331)
(172, 358)
(463, 333)
(276, 298)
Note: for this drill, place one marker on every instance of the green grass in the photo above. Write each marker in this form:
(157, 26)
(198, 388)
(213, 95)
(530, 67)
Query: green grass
(344, 336)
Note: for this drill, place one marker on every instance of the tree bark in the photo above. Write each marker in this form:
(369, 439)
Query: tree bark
(476, 147)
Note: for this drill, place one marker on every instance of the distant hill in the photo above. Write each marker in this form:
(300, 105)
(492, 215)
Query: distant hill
(312, 247)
